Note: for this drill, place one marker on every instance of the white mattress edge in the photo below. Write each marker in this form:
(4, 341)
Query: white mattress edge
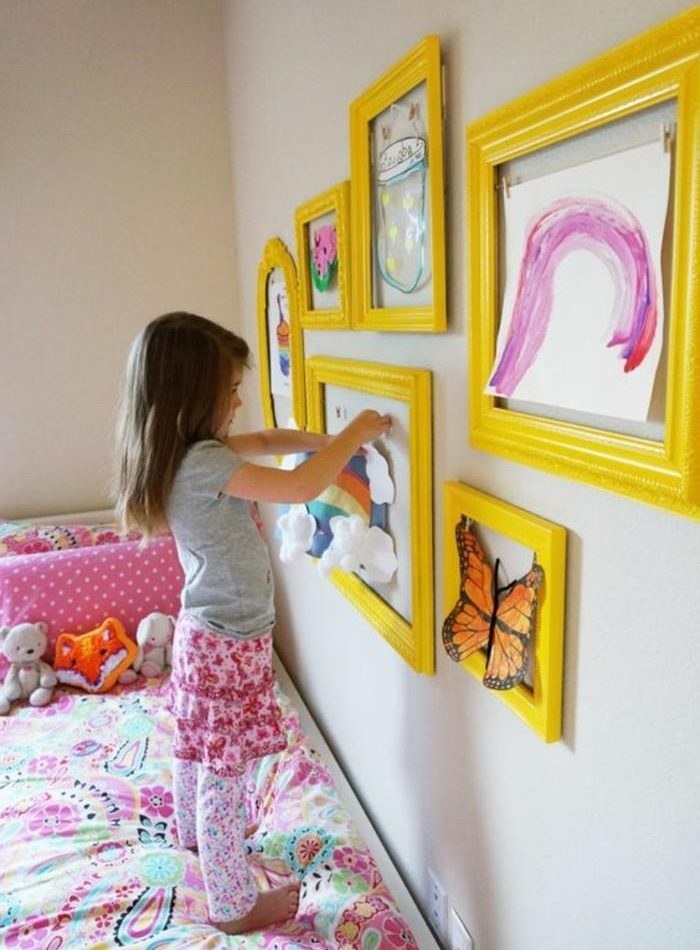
(398, 889)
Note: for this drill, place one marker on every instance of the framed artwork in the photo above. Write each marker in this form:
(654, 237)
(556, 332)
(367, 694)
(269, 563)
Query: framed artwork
(280, 339)
(584, 272)
(323, 252)
(337, 389)
(397, 219)
(504, 602)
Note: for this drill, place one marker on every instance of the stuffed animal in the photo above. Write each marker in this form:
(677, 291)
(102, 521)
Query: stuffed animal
(28, 676)
(94, 660)
(155, 642)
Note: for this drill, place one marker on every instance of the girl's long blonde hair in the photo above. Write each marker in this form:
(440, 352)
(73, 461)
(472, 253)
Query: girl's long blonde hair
(178, 379)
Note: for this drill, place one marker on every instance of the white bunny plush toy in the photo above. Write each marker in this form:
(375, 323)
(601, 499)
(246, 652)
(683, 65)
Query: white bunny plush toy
(28, 677)
(154, 637)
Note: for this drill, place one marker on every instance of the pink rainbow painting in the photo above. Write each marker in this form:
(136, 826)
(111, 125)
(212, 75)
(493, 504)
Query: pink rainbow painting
(609, 231)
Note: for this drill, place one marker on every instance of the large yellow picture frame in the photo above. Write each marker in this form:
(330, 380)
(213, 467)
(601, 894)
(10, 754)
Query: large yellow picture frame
(421, 65)
(539, 706)
(413, 639)
(660, 66)
(275, 255)
(336, 200)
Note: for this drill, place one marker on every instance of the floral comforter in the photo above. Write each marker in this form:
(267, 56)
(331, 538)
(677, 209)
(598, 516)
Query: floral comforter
(89, 855)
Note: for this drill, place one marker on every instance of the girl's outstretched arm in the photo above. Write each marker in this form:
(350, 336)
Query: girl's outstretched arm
(276, 442)
(259, 483)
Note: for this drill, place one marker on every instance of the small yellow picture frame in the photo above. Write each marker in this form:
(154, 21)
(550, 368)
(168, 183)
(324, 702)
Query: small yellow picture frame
(281, 356)
(405, 391)
(654, 70)
(540, 707)
(332, 205)
(401, 110)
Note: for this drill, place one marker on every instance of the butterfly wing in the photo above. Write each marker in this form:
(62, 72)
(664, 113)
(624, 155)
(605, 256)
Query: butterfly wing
(516, 618)
(466, 629)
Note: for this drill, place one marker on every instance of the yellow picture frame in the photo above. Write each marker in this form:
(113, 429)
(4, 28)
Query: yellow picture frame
(421, 65)
(334, 200)
(540, 707)
(657, 67)
(413, 639)
(276, 256)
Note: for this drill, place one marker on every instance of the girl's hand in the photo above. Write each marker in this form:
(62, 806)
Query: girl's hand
(307, 481)
(369, 425)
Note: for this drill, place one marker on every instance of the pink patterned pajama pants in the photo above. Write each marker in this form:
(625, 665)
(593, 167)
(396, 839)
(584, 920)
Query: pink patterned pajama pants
(211, 814)
(222, 699)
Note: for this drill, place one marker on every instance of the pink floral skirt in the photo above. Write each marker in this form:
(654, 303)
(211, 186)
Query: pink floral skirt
(222, 698)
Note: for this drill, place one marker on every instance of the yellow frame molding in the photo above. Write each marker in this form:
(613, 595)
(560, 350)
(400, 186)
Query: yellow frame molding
(540, 707)
(275, 254)
(335, 199)
(413, 640)
(658, 66)
(421, 64)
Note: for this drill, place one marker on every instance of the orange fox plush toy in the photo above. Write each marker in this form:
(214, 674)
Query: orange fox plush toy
(94, 660)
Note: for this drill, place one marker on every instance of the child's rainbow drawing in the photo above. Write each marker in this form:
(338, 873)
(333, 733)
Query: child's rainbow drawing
(582, 315)
(616, 238)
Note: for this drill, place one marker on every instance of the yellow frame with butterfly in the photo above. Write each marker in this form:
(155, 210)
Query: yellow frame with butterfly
(335, 200)
(275, 255)
(413, 639)
(660, 67)
(474, 639)
(420, 65)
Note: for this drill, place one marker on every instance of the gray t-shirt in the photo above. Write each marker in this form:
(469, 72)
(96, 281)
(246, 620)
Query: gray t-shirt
(228, 578)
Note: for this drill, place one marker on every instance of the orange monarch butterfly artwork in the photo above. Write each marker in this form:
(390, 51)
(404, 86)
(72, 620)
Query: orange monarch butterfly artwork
(486, 616)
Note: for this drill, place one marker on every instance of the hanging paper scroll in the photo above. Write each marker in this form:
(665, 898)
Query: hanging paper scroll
(582, 318)
(278, 334)
(400, 197)
(324, 256)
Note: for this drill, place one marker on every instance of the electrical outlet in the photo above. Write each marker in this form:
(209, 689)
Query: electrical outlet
(458, 936)
(437, 905)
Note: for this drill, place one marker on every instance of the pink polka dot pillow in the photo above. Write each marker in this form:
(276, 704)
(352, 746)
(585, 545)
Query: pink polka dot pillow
(78, 588)
(22, 537)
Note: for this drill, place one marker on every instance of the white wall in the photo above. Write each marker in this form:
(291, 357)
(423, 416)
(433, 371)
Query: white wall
(592, 842)
(115, 206)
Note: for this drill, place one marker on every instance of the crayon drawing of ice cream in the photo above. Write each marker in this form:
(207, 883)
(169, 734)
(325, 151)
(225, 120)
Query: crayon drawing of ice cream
(282, 339)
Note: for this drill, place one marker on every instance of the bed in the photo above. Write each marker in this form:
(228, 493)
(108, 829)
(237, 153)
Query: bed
(87, 831)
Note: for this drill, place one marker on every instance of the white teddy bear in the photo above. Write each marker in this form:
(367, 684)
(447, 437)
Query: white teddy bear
(28, 677)
(154, 637)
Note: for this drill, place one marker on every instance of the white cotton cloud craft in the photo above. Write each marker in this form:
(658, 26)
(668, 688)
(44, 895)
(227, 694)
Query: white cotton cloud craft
(381, 487)
(368, 552)
(297, 528)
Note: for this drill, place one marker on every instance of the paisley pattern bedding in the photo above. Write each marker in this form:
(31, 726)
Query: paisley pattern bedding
(90, 856)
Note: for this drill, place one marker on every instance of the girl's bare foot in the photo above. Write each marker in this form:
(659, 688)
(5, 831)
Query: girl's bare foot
(271, 907)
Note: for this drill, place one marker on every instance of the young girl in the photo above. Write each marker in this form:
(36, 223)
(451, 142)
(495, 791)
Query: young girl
(180, 470)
